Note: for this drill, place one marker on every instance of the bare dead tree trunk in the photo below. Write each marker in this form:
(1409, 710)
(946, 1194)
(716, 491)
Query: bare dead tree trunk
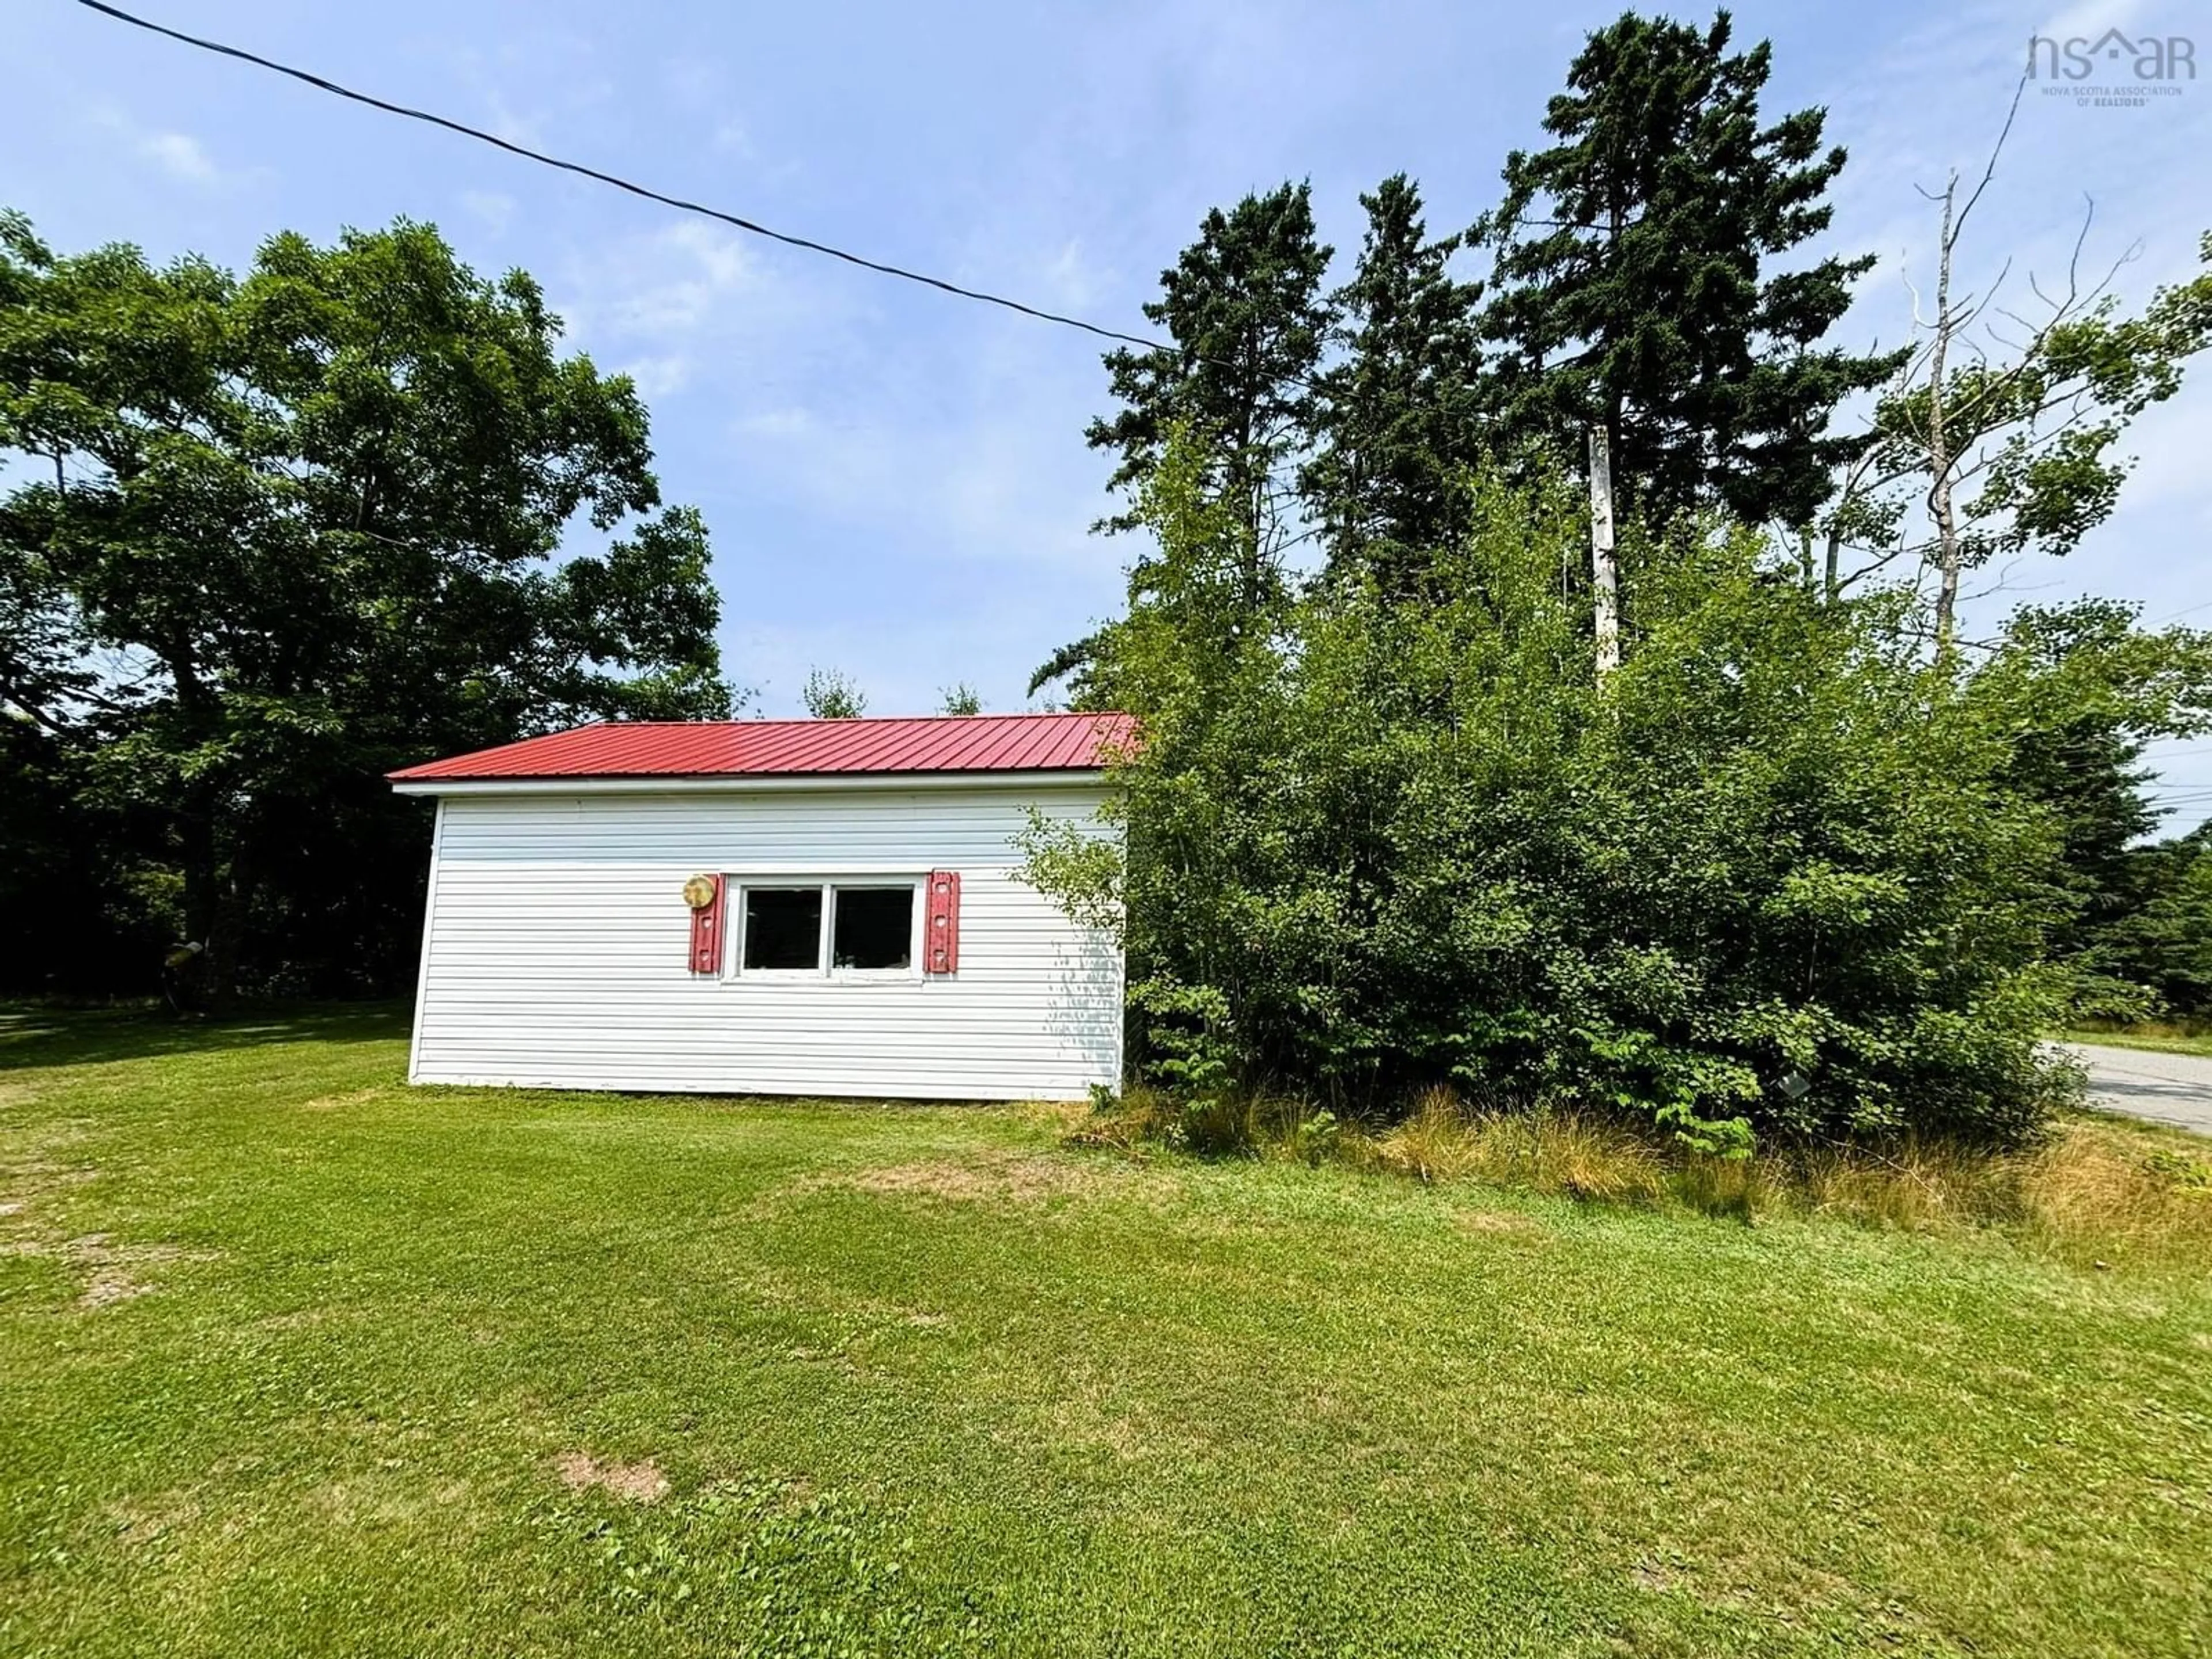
(1943, 455)
(1604, 439)
(1938, 436)
(1941, 506)
(1605, 575)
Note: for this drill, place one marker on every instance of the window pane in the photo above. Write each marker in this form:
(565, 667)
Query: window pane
(874, 927)
(783, 927)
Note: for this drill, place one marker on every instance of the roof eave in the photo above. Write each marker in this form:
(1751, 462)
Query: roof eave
(729, 782)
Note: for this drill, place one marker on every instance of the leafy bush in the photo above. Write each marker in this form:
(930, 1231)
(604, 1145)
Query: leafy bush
(1767, 879)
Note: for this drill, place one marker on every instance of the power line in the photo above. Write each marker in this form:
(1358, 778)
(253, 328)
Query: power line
(751, 227)
(651, 195)
(2187, 611)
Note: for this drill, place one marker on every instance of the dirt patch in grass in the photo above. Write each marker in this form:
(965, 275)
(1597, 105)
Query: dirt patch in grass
(110, 1286)
(351, 1097)
(1499, 1224)
(1020, 1179)
(26, 1178)
(142, 1521)
(393, 1494)
(1008, 1177)
(36, 1170)
(294, 1319)
(1089, 1416)
(113, 1268)
(640, 1482)
(1063, 1118)
(1658, 1578)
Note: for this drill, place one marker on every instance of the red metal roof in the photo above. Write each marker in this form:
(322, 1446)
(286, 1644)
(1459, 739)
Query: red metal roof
(704, 749)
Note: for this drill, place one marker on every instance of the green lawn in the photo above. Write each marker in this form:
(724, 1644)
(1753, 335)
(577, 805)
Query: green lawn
(293, 1359)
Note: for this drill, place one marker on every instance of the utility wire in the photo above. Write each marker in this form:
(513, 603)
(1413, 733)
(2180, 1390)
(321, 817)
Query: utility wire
(2186, 610)
(749, 226)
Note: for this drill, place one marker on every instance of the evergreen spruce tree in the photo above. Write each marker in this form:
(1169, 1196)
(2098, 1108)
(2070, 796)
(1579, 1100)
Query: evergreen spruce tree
(1402, 415)
(1631, 286)
(1244, 309)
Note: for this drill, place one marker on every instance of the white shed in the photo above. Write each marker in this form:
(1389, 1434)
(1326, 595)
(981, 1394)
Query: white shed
(801, 906)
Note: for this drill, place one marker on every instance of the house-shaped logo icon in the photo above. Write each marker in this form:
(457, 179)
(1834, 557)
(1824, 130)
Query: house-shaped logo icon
(2170, 59)
(2113, 46)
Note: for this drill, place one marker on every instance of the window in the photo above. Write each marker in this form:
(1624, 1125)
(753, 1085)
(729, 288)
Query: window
(874, 927)
(828, 927)
(783, 928)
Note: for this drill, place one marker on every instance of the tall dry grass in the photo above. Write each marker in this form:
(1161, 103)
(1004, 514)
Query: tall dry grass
(1545, 1152)
(2115, 1191)
(2096, 1191)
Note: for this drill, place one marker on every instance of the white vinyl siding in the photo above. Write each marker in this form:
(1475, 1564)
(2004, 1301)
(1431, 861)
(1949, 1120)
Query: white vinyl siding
(555, 949)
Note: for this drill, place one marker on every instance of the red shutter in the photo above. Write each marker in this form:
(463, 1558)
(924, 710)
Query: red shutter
(942, 948)
(707, 931)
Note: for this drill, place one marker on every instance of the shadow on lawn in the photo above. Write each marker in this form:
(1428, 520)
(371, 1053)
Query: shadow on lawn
(35, 1036)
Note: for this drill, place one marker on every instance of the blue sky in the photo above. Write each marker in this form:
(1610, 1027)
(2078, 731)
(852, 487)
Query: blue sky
(896, 481)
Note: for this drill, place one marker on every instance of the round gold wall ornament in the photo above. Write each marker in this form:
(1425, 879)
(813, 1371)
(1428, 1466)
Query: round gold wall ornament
(699, 892)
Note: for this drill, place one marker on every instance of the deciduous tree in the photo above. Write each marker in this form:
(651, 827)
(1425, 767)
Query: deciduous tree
(1784, 874)
(831, 693)
(270, 536)
(1998, 433)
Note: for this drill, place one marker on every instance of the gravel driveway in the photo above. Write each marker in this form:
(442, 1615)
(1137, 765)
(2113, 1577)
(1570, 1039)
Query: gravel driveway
(2174, 1089)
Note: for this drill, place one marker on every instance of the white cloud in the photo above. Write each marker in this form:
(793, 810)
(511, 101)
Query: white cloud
(667, 283)
(493, 209)
(180, 156)
(774, 424)
(506, 122)
(2091, 18)
(1073, 283)
(979, 468)
(757, 325)
(720, 254)
(659, 377)
(695, 81)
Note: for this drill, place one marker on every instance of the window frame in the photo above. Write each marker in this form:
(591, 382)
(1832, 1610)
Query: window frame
(735, 937)
(736, 885)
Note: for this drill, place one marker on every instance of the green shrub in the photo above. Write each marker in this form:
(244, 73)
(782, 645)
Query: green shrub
(1767, 879)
